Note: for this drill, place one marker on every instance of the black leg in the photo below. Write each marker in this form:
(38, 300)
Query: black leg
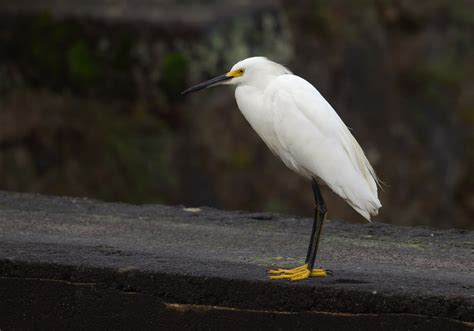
(313, 230)
(317, 194)
(306, 271)
(319, 217)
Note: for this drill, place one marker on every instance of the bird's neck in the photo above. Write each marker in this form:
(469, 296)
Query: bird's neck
(260, 82)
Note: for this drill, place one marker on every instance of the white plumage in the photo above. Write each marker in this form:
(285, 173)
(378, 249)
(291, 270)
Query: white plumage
(301, 127)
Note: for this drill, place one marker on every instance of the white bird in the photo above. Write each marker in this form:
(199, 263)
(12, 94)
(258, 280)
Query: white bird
(300, 126)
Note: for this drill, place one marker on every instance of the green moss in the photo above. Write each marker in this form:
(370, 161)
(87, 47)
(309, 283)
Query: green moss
(102, 152)
(442, 72)
(48, 41)
(276, 206)
(413, 244)
(59, 49)
(460, 11)
(133, 151)
(321, 16)
(174, 67)
(82, 65)
(468, 114)
(19, 167)
(241, 159)
(121, 51)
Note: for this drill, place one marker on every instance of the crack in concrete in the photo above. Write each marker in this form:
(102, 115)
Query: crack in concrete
(206, 308)
(51, 280)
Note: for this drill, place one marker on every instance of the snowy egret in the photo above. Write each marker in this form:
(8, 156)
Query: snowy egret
(301, 127)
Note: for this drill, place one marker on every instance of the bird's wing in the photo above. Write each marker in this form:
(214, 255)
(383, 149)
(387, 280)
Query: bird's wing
(320, 143)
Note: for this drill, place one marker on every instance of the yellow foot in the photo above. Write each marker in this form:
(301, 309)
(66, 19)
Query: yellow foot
(288, 271)
(300, 275)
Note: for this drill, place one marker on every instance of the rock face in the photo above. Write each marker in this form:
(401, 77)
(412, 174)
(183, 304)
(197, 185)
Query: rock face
(90, 105)
(66, 262)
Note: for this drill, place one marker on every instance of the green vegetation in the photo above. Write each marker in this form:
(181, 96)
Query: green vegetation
(241, 159)
(321, 16)
(48, 39)
(81, 62)
(88, 147)
(60, 51)
(98, 111)
(174, 69)
(442, 72)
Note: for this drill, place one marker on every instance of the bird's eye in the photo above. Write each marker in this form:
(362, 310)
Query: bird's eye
(241, 71)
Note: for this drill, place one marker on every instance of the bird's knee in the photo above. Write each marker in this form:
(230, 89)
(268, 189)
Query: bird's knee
(321, 209)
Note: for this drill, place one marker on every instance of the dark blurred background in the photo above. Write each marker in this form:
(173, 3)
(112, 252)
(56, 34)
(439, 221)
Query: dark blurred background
(90, 104)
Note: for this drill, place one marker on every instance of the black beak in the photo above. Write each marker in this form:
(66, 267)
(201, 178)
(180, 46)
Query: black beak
(206, 84)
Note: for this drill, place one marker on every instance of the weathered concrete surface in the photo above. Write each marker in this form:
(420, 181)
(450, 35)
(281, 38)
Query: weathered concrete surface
(77, 263)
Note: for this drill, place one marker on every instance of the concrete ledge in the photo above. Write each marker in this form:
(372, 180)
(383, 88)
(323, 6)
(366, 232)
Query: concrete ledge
(76, 263)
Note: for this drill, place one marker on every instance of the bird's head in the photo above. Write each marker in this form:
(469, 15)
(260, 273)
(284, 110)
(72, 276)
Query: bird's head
(253, 71)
